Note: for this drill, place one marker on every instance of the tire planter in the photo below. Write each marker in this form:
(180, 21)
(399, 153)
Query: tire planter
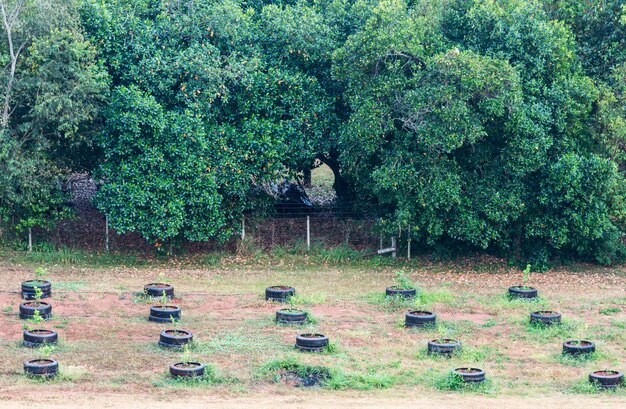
(395, 291)
(470, 374)
(38, 337)
(174, 338)
(545, 318)
(521, 291)
(156, 290)
(187, 369)
(164, 313)
(280, 293)
(578, 347)
(311, 342)
(607, 379)
(443, 346)
(28, 289)
(291, 316)
(420, 319)
(41, 367)
(27, 310)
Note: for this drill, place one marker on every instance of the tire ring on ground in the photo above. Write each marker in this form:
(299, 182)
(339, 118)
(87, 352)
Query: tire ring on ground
(607, 381)
(585, 347)
(305, 342)
(279, 294)
(539, 318)
(160, 314)
(519, 292)
(28, 289)
(156, 290)
(38, 337)
(400, 292)
(48, 368)
(420, 319)
(444, 346)
(285, 316)
(27, 311)
(471, 376)
(196, 371)
(174, 341)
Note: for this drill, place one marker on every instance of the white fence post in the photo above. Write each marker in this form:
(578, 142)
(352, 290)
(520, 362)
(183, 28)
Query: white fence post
(243, 228)
(308, 233)
(393, 245)
(408, 247)
(106, 233)
(30, 239)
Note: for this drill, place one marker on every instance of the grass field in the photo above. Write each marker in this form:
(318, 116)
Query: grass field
(108, 348)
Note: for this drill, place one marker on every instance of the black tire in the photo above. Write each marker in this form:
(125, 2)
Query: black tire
(443, 346)
(156, 290)
(545, 318)
(400, 292)
(164, 313)
(41, 367)
(519, 291)
(317, 343)
(471, 374)
(187, 369)
(280, 293)
(420, 319)
(28, 289)
(578, 347)
(38, 337)
(27, 310)
(607, 379)
(170, 338)
(287, 316)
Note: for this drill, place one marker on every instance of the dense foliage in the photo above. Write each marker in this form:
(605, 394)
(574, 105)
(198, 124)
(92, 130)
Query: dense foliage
(486, 124)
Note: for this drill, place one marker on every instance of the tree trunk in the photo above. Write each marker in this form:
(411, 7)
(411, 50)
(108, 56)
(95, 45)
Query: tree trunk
(342, 189)
(307, 177)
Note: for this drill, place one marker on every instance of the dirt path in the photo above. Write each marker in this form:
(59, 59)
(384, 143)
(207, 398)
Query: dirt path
(81, 400)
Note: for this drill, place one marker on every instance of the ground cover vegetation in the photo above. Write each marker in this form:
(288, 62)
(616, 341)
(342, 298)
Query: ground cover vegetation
(477, 124)
(107, 344)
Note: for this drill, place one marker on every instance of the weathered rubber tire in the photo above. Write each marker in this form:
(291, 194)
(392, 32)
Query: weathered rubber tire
(308, 344)
(539, 317)
(156, 290)
(517, 291)
(280, 293)
(28, 289)
(585, 347)
(420, 319)
(444, 346)
(41, 367)
(284, 316)
(471, 374)
(164, 313)
(27, 310)
(168, 339)
(196, 370)
(38, 337)
(400, 292)
(607, 381)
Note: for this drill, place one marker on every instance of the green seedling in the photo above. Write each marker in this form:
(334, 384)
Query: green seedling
(403, 282)
(40, 273)
(164, 298)
(36, 319)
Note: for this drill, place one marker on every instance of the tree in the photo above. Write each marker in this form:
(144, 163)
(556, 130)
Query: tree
(201, 69)
(52, 92)
(465, 116)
